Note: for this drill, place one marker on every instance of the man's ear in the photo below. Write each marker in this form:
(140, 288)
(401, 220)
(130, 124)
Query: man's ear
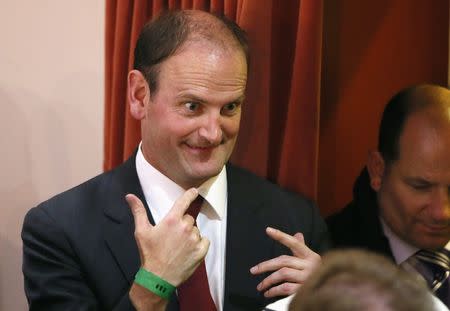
(138, 94)
(376, 169)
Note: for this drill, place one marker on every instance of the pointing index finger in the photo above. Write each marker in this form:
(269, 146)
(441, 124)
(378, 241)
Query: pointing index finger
(294, 243)
(182, 203)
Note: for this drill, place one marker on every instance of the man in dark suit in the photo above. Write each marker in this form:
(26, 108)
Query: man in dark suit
(401, 199)
(128, 238)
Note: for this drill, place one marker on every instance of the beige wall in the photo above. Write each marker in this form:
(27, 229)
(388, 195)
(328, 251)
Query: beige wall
(51, 119)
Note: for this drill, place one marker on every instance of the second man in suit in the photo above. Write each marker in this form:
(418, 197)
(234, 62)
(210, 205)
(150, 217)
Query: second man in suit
(401, 202)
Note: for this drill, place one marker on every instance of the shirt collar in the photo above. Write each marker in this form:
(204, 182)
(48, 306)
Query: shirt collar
(161, 192)
(400, 249)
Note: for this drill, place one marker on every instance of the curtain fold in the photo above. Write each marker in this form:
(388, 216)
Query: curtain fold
(279, 130)
(302, 121)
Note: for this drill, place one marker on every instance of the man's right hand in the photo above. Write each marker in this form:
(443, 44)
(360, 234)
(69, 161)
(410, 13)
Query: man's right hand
(173, 248)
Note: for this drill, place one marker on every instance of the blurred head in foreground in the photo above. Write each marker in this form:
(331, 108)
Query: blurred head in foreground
(353, 280)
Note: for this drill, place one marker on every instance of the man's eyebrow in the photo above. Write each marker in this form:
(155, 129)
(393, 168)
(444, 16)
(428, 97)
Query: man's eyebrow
(240, 99)
(190, 97)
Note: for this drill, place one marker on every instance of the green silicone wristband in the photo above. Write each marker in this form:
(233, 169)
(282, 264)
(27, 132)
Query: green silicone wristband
(154, 283)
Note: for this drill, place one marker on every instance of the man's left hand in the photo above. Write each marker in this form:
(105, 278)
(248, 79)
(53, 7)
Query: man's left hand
(289, 271)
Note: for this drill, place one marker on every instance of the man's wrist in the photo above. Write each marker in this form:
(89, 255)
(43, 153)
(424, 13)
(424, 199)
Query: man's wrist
(144, 300)
(154, 283)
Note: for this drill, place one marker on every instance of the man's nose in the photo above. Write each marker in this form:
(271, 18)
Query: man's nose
(440, 206)
(211, 130)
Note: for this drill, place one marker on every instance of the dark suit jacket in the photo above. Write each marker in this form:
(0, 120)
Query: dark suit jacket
(79, 251)
(358, 224)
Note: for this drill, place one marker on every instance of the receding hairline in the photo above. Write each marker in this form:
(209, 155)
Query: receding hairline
(417, 100)
(428, 97)
(431, 104)
(207, 27)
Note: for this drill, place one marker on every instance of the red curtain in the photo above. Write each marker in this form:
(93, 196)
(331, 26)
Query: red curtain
(279, 129)
(371, 50)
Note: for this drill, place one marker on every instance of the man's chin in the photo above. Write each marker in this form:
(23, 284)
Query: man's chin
(432, 242)
(206, 173)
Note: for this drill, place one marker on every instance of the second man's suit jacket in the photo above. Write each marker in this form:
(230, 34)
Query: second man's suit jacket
(79, 251)
(358, 224)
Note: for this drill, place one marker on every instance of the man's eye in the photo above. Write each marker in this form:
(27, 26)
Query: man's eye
(191, 106)
(231, 107)
(421, 187)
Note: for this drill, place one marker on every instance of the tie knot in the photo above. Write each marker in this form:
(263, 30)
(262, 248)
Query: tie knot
(195, 206)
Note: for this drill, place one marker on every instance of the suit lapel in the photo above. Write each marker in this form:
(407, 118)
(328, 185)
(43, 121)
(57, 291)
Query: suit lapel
(118, 221)
(246, 244)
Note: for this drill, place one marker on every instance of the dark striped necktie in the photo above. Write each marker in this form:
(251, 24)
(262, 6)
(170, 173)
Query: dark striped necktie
(434, 267)
(194, 293)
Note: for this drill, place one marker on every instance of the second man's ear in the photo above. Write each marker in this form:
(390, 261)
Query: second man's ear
(375, 167)
(138, 94)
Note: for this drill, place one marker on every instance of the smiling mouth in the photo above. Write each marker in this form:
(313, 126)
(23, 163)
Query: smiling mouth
(202, 148)
(437, 228)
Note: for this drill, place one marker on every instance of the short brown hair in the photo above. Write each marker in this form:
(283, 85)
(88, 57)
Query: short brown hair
(165, 35)
(353, 280)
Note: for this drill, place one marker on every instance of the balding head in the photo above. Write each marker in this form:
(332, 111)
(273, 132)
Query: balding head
(220, 31)
(429, 99)
(411, 171)
(175, 30)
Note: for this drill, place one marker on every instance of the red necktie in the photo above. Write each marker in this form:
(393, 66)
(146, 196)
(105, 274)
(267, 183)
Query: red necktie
(194, 293)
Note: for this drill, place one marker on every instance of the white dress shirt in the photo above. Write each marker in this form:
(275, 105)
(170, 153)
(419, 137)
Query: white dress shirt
(400, 249)
(161, 193)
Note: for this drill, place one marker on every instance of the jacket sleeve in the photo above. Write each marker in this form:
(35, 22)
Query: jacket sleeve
(53, 277)
(320, 241)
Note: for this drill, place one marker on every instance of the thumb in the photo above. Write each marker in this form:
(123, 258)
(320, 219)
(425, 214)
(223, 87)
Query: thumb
(139, 213)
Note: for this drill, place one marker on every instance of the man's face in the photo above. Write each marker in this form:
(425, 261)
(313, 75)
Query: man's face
(415, 189)
(192, 121)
